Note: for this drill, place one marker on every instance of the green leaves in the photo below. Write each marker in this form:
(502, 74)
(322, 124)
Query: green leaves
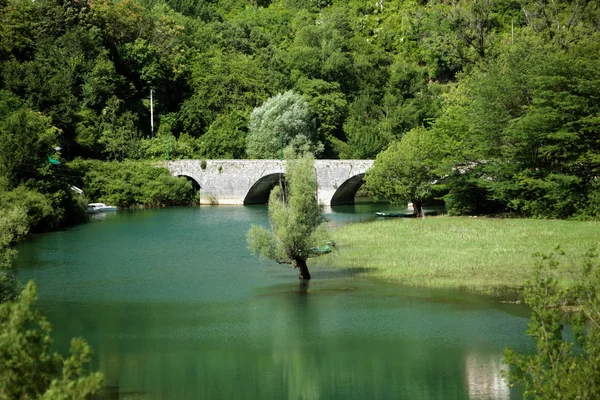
(407, 169)
(294, 215)
(132, 184)
(526, 122)
(283, 124)
(29, 369)
(27, 139)
(222, 83)
(561, 368)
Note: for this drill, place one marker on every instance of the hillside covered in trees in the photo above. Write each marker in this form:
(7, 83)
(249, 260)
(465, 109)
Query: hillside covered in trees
(504, 92)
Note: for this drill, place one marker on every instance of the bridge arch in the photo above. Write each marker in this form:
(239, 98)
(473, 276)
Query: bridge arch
(250, 181)
(261, 189)
(193, 181)
(345, 193)
(195, 184)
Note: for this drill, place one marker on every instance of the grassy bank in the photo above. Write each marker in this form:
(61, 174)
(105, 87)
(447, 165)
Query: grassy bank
(480, 254)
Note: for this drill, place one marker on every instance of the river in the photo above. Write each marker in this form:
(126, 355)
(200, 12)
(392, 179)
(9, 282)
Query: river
(176, 307)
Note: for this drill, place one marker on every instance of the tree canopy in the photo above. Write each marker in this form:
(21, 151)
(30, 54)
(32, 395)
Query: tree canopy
(285, 123)
(407, 170)
(513, 84)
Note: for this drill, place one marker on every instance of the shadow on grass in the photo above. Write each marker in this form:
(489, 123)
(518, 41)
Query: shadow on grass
(337, 273)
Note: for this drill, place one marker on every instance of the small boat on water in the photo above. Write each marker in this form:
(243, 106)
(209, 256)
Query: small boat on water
(395, 214)
(94, 208)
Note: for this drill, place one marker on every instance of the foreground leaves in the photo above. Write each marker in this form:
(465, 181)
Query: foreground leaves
(561, 368)
(29, 369)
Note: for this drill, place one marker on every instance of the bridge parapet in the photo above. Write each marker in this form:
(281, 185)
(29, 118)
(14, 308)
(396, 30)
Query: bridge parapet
(250, 181)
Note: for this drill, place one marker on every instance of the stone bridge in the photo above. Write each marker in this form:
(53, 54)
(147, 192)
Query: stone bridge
(251, 181)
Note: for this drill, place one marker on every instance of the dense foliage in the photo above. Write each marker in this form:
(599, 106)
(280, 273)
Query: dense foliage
(29, 369)
(284, 124)
(407, 170)
(563, 367)
(510, 87)
(296, 220)
(130, 184)
(528, 129)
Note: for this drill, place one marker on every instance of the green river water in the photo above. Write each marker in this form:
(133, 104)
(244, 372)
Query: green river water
(176, 307)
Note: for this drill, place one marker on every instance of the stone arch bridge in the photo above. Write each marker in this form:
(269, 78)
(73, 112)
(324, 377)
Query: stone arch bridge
(251, 181)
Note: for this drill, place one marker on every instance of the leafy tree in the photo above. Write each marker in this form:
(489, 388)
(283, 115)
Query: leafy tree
(283, 123)
(561, 368)
(165, 146)
(119, 134)
(472, 25)
(296, 220)
(363, 130)
(16, 33)
(554, 148)
(13, 227)
(407, 169)
(226, 137)
(330, 107)
(38, 207)
(591, 208)
(562, 22)
(409, 100)
(29, 369)
(527, 129)
(122, 21)
(321, 49)
(27, 139)
(221, 83)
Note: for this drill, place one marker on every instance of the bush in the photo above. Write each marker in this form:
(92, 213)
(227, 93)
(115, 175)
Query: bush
(130, 184)
(13, 227)
(590, 209)
(467, 196)
(168, 147)
(29, 370)
(561, 368)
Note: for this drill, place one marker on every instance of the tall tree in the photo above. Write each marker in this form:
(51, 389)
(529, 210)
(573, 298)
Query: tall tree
(283, 124)
(296, 220)
(26, 140)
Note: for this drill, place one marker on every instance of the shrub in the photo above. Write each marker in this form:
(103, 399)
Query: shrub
(130, 184)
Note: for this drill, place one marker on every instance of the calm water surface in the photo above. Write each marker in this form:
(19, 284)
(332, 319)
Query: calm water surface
(176, 307)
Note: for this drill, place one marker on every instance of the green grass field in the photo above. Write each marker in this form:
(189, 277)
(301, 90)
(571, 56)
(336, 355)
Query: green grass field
(479, 254)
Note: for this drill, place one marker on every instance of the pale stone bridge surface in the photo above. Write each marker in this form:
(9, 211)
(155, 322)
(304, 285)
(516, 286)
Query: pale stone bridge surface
(250, 181)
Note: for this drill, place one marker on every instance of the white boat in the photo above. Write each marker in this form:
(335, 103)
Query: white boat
(100, 207)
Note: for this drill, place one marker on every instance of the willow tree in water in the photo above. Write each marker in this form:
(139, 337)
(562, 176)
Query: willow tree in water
(296, 220)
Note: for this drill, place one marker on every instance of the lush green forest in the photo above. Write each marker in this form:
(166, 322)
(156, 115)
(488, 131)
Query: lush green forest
(503, 95)
(492, 104)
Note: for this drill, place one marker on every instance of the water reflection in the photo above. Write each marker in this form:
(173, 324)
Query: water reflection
(484, 376)
(177, 308)
(317, 340)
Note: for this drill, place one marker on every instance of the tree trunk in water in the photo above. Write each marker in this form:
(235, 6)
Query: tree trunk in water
(418, 207)
(301, 265)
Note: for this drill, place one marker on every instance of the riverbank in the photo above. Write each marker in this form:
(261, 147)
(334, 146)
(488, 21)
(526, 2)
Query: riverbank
(476, 254)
